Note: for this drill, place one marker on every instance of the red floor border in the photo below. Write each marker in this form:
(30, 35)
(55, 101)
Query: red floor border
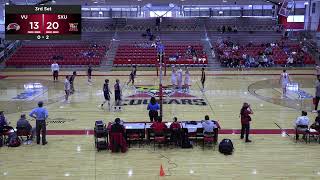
(222, 131)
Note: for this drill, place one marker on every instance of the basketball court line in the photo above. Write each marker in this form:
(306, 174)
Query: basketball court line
(222, 131)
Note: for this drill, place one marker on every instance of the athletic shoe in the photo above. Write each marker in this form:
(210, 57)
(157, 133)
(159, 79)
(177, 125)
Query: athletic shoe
(248, 141)
(314, 111)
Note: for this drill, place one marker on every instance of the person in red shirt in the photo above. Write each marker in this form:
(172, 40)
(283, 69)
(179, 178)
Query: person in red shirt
(175, 124)
(245, 120)
(175, 129)
(159, 127)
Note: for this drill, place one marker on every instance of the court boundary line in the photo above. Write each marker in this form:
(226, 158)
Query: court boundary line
(153, 75)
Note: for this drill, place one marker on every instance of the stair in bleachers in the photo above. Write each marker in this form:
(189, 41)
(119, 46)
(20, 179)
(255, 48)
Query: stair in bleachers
(212, 61)
(107, 62)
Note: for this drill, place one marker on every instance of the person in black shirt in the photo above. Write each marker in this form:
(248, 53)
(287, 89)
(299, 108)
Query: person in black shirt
(117, 127)
(89, 73)
(132, 75)
(106, 93)
(117, 94)
(203, 78)
(71, 80)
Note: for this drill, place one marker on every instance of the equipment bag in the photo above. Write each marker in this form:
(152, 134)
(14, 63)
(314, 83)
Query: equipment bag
(14, 140)
(226, 147)
(102, 145)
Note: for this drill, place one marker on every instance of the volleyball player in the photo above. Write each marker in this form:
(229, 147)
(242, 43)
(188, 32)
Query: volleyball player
(106, 93)
(117, 95)
(174, 78)
(71, 80)
(132, 75)
(67, 88)
(89, 73)
(284, 80)
(179, 78)
(187, 80)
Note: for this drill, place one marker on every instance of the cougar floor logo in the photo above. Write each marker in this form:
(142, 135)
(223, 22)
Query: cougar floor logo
(142, 95)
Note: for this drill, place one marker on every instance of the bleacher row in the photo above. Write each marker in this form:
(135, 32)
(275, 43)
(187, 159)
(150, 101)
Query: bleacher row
(131, 54)
(71, 54)
(179, 24)
(278, 54)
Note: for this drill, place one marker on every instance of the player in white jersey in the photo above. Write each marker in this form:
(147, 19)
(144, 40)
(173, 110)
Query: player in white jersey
(179, 78)
(284, 80)
(187, 79)
(67, 88)
(174, 78)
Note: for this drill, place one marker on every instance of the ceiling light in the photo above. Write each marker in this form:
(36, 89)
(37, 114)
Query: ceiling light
(306, 3)
(224, 1)
(250, 6)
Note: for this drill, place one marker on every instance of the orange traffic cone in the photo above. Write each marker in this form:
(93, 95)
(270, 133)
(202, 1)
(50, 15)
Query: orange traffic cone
(162, 173)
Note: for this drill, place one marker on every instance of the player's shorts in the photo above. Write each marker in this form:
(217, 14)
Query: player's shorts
(106, 96)
(117, 95)
(55, 73)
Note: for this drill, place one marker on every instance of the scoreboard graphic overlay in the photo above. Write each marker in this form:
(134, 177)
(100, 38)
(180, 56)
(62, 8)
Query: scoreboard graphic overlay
(43, 22)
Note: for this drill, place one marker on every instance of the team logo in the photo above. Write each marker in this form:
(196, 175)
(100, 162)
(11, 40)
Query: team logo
(142, 94)
(13, 26)
(73, 27)
(153, 91)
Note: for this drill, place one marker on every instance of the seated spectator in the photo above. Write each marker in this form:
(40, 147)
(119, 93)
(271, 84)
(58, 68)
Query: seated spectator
(290, 61)
(23, 123)
(175, 124)
(268, 50)
(175, 132)
(304, 49)
(3, 120)
(235, 29)
(117, 127)
(208, 125)
(302, 123)
(229, 29)
(4, 124)
(316, 124)
(158, 126)
(117, 141)
(223, 29)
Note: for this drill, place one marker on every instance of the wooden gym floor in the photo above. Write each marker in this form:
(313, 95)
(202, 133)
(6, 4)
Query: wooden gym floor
(271, 155)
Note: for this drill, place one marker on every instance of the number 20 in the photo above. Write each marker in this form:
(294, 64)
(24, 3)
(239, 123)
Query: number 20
(52, 25)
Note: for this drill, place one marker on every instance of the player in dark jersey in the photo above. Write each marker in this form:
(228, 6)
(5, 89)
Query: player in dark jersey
(132, 75)
(89, 73)
(106, 93)
(117, 94)
(71, 80)
(203, 78)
